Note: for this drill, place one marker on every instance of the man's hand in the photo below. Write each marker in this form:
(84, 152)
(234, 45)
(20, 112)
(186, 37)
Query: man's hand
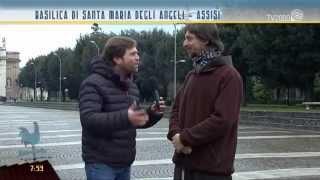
(187, 150)
(177, 143)
(179, 146)
(137, 117)
(160, 108)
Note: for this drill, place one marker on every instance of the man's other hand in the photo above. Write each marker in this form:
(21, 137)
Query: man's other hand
(180, 148)
(186, 150)
(160, 108)
(177, 143)
(137, 117)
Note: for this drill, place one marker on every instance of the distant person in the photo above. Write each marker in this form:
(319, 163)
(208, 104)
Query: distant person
(110, 113)
(204, 120)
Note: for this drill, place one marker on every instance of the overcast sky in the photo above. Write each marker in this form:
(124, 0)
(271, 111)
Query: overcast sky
(35, 40)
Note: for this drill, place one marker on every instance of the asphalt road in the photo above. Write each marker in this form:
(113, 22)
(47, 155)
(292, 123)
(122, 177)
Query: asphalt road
(262, 152)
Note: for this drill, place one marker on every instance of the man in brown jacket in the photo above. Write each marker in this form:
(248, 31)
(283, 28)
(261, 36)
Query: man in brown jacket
(204, 120)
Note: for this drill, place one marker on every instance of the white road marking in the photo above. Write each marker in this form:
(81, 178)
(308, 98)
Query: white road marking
(43, 145)
(69, 135)
(277, 155)
(238, 156)
(279, 137)
(31, 120)
(50, 131)
(71, 143)
(252, 132)
(43, 137)
(248, 175)
(165, 139)
(277, 173)
(31, 125)
(135, 163)
(138, 131)
(240, 132)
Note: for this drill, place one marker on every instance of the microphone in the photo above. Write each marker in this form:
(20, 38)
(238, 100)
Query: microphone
(157, 99)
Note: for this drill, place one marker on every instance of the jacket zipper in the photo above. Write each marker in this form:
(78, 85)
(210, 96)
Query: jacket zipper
(128, 98)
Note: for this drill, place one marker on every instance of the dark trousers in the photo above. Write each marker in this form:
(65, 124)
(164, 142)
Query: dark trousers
(184, 174)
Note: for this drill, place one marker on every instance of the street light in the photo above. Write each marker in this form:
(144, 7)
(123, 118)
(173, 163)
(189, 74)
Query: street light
(175, 63)
(175, 75)
(181, 61)
(35, 81)
(96, 45)
(59, 74)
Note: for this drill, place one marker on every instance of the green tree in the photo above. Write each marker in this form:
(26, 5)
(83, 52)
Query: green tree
(285, 56)
(262, 93)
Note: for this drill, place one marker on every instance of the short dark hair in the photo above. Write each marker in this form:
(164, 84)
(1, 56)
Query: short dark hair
(116, 47)
(206, 32)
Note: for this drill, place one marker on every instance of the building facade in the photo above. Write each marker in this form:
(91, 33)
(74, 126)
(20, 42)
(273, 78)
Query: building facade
(13, 70)
(9, 72)
(3, 70)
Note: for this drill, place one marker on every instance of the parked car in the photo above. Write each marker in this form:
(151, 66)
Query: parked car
(3, 99)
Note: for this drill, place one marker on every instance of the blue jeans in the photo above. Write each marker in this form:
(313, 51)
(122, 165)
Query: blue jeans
(104, 172)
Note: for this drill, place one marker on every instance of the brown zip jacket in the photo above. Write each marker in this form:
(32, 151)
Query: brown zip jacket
(206, 114)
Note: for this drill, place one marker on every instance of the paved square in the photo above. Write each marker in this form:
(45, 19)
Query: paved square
(262, 152)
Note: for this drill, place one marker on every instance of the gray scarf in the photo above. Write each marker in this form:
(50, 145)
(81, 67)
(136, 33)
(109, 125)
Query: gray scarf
(205, 58)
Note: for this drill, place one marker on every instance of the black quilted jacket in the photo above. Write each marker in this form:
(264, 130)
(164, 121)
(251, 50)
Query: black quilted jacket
(107, 135)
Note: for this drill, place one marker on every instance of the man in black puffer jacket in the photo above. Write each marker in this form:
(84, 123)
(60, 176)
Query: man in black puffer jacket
(109, 112)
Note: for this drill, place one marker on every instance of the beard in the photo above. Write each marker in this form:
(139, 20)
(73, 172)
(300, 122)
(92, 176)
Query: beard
(192, 54)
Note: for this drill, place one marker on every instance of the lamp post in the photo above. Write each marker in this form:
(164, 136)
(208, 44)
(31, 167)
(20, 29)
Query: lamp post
(175, 63)
(175, 75)
(96, 45)
(35, 81)
(64, 92)
(59, 74)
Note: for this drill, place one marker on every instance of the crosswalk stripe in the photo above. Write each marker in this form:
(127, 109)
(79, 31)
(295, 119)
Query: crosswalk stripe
(249, 175)
(277, 155)
(139, 132)
(135, 163)
(31, 123)
(165, 139)
(264, 174)
(75, 135)
(277, 173)
(49, 131)
(30, 126)
(43, 137)
(252, 132)
(238, 156)
(279, 137)
(43, 145)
